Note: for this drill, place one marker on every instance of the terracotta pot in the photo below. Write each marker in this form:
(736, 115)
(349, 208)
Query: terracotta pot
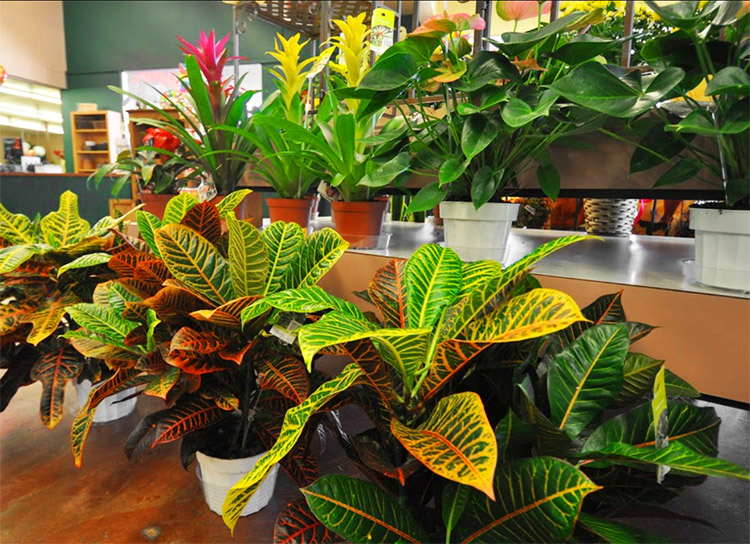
(436, 218)
(154, 203)
(359, 223)
(291, 210)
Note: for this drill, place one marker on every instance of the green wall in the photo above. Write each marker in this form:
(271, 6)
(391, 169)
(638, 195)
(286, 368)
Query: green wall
(106, 37)
(30, 194)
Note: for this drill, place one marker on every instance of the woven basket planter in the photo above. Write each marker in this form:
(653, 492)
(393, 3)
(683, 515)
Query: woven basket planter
(610, 216)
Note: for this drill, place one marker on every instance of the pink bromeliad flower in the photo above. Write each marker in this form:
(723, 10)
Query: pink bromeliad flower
(518, 10)
(443, 23)
(210, 54)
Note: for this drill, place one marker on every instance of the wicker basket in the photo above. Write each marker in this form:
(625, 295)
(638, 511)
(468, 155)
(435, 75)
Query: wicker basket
(610, 216)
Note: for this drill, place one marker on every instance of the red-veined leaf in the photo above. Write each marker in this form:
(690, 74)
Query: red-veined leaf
(204, 219)
(54, 370)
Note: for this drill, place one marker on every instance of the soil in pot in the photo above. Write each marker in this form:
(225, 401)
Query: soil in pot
(291, 210)
(360, 223)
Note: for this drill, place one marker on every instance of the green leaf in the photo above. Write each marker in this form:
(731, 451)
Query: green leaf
(700, 122)
(64, 227)
(684, 170)
(515, 43)
(586, 376)
(729, 80)
(678, 387)
(361, 512)
(283, 241)
(638, 373)
(390, 72)
(291, 429)
(549, 439)
(487, 67)
(538, 500)
(433, 279)
(684, 15)
(616, 533)
(318, 254)
(451, 170)
(484, 185)
(656, 141)
(344, 128)
(513, 437)
(549, 180)
(455, 497)
(518, 113)
(177, 207)
(199, 93)
(584, 47)
(456, 442)
(102, 320)
(309, 300)
(695, 427)
(678, 457)
(427, 198)
(195, 262)
(478, 132)
(14, 256)
(248, 258)
(148, 223)
(16, 228)
(386, 173)
(85, 261)
(593, 86)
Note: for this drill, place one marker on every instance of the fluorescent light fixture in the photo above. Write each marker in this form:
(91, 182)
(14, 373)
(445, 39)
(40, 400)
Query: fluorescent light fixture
(5, 89)
(31, 113)
(30, 125)
(55, 129)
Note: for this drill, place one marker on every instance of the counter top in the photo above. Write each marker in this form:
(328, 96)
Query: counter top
(644, 261)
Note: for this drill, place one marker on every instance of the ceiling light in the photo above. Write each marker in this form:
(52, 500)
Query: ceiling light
(27, 94)
(31, 113)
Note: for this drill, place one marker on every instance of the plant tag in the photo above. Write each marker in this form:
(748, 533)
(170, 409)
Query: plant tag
(530, 209)
(661, 421)
(282, 334)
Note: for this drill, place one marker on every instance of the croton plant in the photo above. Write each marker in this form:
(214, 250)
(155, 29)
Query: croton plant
(172, 322)
(500, 411)
(46, 265)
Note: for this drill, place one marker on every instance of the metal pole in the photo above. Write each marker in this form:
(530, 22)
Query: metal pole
(554, 10)
(325, 34)
(415, 17)
(483, 9)
(627, 47)
(236, 43)
(397, 30)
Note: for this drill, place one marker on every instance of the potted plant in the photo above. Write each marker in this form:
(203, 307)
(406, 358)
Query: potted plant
(280, 161)
(226, 384)
(707, 128)
(46, 265)
(478, 382)
(215, 153)
(499, 112)
(357, 163)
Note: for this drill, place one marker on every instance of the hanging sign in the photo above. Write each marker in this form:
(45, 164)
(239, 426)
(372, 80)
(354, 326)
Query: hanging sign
(383, 23)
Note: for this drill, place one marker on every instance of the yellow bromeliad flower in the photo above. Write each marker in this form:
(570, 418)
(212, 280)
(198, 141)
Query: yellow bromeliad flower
(291, 75)
(354, 47)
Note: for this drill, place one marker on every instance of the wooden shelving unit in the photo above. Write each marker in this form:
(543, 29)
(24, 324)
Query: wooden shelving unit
(100, 127)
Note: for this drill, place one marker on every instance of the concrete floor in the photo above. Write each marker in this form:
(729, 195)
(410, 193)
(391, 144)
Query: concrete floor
(44, 498)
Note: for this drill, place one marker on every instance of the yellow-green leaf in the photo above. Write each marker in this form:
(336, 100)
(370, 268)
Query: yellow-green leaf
(65, 227)
(536, 313)
(433, 279)
(177, 207)
(195, 262)
(318, 254)
(283, 241)
(148, 223)
(456, 442)
(231, 201)
(14, 256)
(291, 429)
(54, 370)
(85, 261)
(102, 320)
(248, 258)
(47, 317)
(163, 383)
(15, 227)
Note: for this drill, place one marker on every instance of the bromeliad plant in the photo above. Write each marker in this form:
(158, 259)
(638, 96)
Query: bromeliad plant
(46, 265)
(500, 110)
(172, 322)
(469, 410)
(209, 147)
(354, 162)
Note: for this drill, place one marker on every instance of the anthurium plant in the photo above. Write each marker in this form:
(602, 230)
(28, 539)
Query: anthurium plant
(46, 265)
(172, 322)
(477, 382)
(497, 112)
(151, 173)
(207, 146)
(355, 162)
(709, 44)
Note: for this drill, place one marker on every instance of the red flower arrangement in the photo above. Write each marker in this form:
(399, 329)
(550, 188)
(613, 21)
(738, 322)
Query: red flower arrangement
(162, 139)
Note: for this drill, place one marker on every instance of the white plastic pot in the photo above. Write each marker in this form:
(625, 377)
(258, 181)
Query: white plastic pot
(478, 234)
(217, 476)
(722, 247)
(109, 409)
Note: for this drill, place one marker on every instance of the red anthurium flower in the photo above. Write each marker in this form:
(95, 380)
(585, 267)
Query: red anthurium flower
(518, 10)
(162, 139)
(210, 54)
